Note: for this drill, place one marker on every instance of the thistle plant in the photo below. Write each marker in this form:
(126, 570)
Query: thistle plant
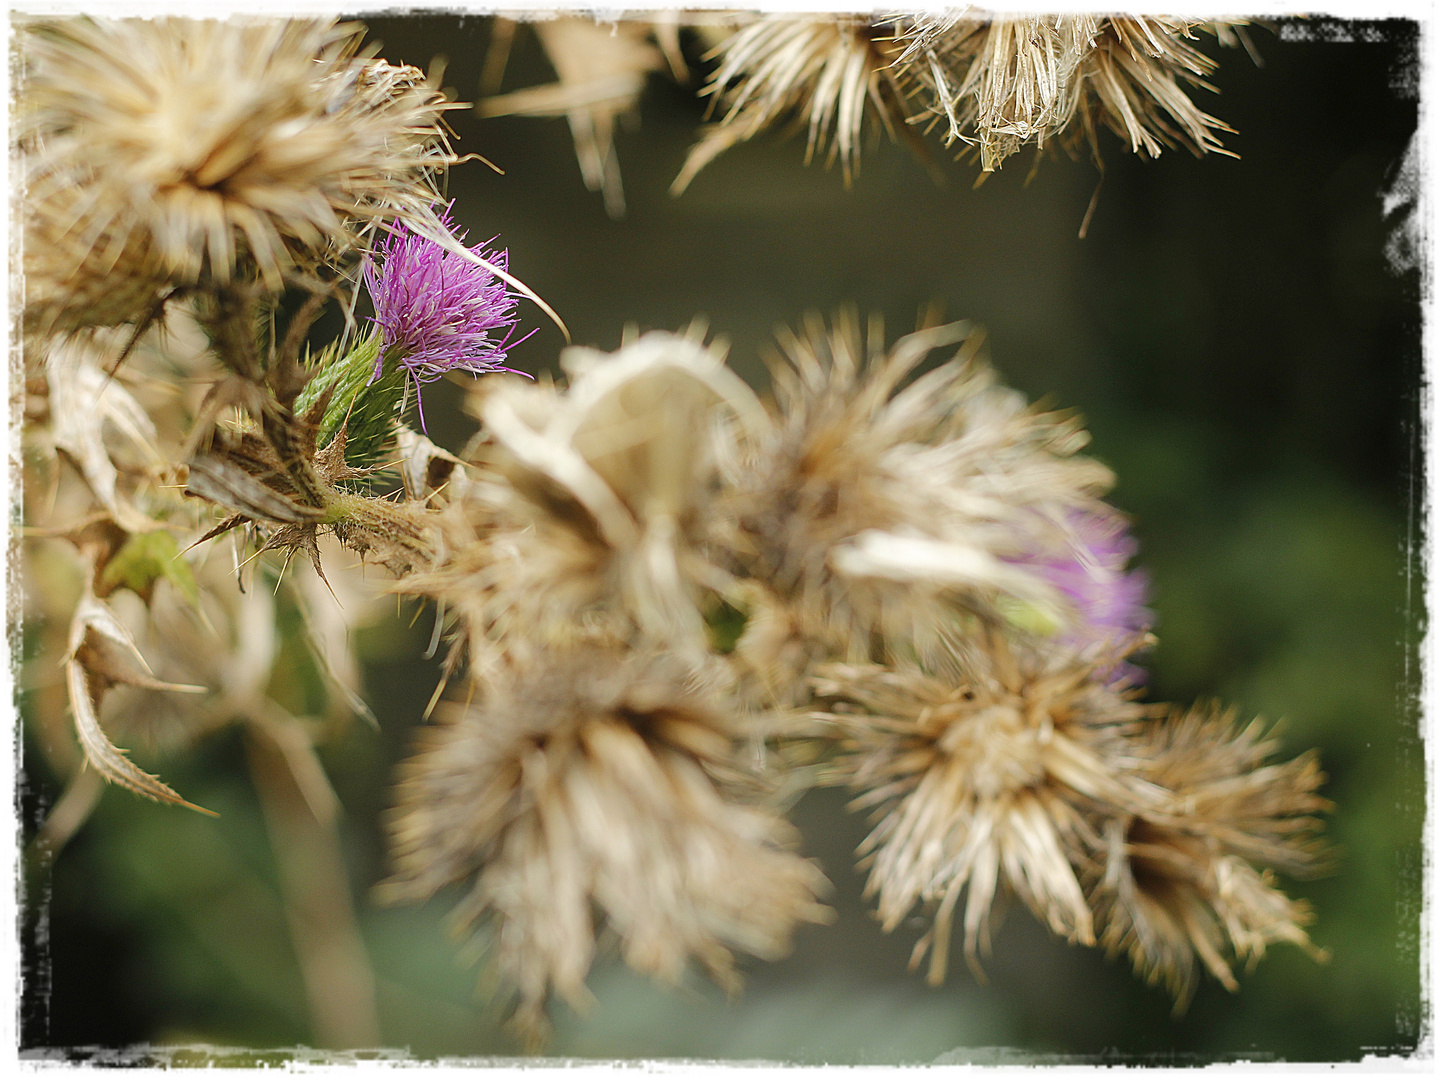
(671, 603)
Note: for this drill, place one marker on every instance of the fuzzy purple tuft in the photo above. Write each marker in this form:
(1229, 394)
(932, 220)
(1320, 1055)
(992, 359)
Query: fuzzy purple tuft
(437, 311)
(1109, 600)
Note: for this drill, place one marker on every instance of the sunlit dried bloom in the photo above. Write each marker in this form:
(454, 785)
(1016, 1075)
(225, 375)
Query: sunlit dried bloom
(595, 782)
(982, 778)
(438, 311)
(1183, 884)
(1107, 599)
(602, 70)
(1004, 81)
(999, 81)
(165, 152)
(829, 71)
(590, 517)
(876, 508)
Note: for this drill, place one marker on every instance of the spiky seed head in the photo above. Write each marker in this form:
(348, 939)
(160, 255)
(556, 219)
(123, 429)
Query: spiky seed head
(831, 72)
(981, 776)
(599, 781)
(178, 151)
(1189, 884)
(1131, 83)
(880, 507)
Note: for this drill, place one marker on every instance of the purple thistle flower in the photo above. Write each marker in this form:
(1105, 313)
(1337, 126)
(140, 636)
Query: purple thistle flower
(1109, 600)
(437, 311)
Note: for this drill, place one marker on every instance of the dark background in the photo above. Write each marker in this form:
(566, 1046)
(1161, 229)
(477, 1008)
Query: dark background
(1247, 361)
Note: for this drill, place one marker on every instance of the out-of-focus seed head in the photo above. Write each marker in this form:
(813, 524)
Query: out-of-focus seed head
(1182, 885)
(982, 776)
(175, 152)
(881, 506)
(591, 517)
(599, 781)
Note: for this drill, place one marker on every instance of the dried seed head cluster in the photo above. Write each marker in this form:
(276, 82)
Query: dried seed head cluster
(596, 781)
(993, 82)
(1149, 836)
(933, 596)
(591, 517)
(1183, 884)
(160, 153)
(982, 779)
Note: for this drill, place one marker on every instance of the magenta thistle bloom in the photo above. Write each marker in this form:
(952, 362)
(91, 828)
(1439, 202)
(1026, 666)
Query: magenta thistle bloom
(437, 311)
(1109, 600)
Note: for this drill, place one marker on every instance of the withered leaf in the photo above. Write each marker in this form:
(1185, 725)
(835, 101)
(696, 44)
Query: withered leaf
(102, 653)
(217, 479)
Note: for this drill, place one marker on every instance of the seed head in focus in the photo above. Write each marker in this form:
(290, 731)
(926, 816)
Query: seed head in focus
(170, 152)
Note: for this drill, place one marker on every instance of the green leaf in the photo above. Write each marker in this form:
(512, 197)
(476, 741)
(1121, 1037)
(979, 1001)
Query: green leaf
(146, 558)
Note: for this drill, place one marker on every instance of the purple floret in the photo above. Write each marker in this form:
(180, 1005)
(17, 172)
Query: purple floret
(436, 310)
(1109, 600)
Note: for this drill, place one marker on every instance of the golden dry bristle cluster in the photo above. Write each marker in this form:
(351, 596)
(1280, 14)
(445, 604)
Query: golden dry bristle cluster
(829, 71)
(881, 504)
(1145, 830)
(1184, 884)
(983, 777)
(993, 82)
(162, 153)
(599, 781)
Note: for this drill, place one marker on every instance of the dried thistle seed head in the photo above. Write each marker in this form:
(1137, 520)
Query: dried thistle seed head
(593, 513)
(872, 508)
(982, 776)
(831, 71)
(1131, 83)
(587, 784)
(1180, 882)
(175, 151)
(999, 81)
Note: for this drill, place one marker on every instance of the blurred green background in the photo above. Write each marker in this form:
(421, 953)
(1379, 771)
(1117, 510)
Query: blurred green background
(1247, 361)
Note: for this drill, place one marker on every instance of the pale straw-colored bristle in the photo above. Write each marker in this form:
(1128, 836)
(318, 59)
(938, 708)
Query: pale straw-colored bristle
(1188, 885)
(829, 72)
(981, 776)
(171, 152)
